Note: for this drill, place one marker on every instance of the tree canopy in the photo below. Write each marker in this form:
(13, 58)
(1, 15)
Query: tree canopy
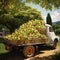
(16, 14)
(47, 4)
(48, 19)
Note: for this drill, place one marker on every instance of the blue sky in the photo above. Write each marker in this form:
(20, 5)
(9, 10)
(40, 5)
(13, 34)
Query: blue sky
(55, 14)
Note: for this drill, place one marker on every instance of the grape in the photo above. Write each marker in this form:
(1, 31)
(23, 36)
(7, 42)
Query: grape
(29, 30)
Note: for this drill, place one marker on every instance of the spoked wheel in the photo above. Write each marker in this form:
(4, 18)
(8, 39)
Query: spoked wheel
(28, 51)
(55, 44)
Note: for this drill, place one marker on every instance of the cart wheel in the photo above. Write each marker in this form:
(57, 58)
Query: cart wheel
(9, 48)
(55, 44)
(28, 51)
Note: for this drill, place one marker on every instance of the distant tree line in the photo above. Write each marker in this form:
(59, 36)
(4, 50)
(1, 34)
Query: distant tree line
(56, 27)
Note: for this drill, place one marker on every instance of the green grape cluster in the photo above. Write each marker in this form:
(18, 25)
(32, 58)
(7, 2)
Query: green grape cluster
(28, 31)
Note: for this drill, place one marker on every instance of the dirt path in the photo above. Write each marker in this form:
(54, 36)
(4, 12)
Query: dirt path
(45, 54)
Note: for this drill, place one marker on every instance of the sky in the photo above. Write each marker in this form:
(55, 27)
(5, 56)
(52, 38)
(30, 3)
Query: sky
(55, 14)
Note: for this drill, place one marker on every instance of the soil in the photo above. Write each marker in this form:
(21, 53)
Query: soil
(45, 54)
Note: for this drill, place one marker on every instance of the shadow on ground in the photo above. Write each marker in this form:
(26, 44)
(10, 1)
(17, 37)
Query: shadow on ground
(57, 56)
(12, 56)
(16, 55)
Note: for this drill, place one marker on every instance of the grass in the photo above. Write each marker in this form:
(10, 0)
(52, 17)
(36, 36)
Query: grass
(59, 41)
(2, 47)
(59, 44)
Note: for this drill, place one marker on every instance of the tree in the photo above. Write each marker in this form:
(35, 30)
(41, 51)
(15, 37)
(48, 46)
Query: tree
(47, 4)
(48, 19)
(18, 15)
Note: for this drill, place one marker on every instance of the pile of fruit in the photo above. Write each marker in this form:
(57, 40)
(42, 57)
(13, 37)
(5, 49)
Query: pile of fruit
(29, 31)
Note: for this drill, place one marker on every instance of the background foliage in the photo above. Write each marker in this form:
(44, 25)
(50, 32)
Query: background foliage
(15, 11)
(16, 14)
(56, 27)
(48, 19)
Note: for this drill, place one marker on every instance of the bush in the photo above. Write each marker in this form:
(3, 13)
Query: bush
(57, 31)
(9, 22)
(56, 27)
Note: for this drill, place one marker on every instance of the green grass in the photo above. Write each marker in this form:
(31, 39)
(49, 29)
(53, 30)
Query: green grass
(2, 46)
(59, 44)
(59, 41)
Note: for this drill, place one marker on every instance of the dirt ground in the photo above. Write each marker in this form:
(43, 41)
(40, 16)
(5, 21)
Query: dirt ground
(44, 53)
